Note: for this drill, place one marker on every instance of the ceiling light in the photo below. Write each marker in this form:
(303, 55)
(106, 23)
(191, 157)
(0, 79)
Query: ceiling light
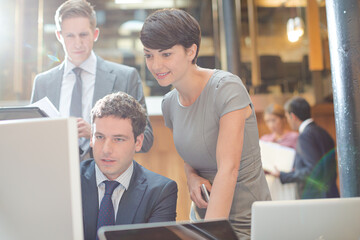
(295, 29)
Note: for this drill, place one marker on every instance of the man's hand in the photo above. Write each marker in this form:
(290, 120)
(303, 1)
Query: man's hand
(84, 128)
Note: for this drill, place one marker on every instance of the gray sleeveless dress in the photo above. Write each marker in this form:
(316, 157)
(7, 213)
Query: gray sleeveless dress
(195, 130)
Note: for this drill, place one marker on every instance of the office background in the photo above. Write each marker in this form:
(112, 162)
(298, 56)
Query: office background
(274, 59)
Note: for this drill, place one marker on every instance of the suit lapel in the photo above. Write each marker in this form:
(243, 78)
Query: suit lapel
(104, 80)
(132, 198)
(55, 86)
(90, 200)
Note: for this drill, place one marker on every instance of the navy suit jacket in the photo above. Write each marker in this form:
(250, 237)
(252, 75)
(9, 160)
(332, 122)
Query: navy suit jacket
(314, 165)
(110, 77)
(149, 198)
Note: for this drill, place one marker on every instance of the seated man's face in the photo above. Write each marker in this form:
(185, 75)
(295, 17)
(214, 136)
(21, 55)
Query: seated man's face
(114, 145)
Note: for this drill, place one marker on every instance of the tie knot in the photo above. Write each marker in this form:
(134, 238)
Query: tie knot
(110, 187)
(77, 71)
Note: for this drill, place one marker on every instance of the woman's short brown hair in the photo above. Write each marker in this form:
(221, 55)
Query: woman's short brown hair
(166, 28)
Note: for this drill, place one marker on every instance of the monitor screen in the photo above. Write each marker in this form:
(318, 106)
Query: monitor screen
(40, 192)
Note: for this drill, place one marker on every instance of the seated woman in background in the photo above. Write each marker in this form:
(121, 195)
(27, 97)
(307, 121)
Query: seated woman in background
(275, 120)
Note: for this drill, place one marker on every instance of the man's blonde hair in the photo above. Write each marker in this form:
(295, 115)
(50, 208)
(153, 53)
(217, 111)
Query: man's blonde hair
(75, 8)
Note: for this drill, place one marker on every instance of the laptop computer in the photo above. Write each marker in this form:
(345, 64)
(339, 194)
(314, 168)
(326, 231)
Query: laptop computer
(206, 230)
(320, 219)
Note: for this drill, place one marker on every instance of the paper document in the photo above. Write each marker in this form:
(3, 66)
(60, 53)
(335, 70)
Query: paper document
(45, 105)
(273, 154)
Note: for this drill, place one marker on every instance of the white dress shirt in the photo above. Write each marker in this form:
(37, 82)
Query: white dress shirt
(123, 179)
(304, 124)
(88, 74)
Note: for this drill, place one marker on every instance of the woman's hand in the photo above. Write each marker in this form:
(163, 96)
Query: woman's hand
(194, 182)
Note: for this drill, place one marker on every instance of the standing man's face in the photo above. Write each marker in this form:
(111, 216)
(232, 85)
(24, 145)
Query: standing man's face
(77, 38)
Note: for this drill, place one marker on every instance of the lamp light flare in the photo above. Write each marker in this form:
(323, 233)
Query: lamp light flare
(295, 29)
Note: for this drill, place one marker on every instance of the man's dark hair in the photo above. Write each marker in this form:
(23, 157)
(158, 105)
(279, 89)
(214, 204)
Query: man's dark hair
(166, 28)
(300, 107)
(121, 105)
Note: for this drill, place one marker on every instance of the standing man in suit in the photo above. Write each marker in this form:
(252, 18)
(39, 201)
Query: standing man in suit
(315, 163)
(76, 30)
(118, 122)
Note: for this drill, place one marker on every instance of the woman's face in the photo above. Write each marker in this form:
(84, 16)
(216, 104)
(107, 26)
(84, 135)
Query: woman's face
(274, 123)
(170, 65)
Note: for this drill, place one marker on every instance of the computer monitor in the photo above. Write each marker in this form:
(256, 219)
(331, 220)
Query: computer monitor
(40, 193)
(316, 219)
(206, 230)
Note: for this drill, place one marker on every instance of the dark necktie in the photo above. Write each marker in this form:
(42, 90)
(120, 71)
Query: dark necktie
(76, 98)
(106, 212)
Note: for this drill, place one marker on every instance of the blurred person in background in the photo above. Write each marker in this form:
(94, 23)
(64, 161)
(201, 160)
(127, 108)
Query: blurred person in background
(315, 165)
(275, 120)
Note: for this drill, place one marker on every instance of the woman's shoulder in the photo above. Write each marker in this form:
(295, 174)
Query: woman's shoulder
(229, 93)
(168, 99)
(225, 80)
(267, 137)
(170, 95)
(290, 139)
(223, 76)
(291, 134)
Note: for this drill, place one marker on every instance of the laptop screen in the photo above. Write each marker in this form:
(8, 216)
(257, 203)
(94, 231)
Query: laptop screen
(208, 230)
(9, 113)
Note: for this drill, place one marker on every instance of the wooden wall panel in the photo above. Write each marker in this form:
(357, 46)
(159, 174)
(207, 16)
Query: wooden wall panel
(164, 159)
(315, 45)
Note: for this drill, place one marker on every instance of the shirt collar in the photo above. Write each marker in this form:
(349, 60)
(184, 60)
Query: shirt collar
(89, 65)
(304, 124)
(123, 179)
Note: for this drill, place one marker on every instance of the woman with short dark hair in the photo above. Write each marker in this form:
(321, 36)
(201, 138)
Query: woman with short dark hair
(212, 119)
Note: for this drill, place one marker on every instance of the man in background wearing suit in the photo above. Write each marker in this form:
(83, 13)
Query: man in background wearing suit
(118, 122)
(315, 163)
(76, 30)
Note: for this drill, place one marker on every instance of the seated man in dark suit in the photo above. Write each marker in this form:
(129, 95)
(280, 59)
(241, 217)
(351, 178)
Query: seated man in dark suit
(140, 196)
(315, 163)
